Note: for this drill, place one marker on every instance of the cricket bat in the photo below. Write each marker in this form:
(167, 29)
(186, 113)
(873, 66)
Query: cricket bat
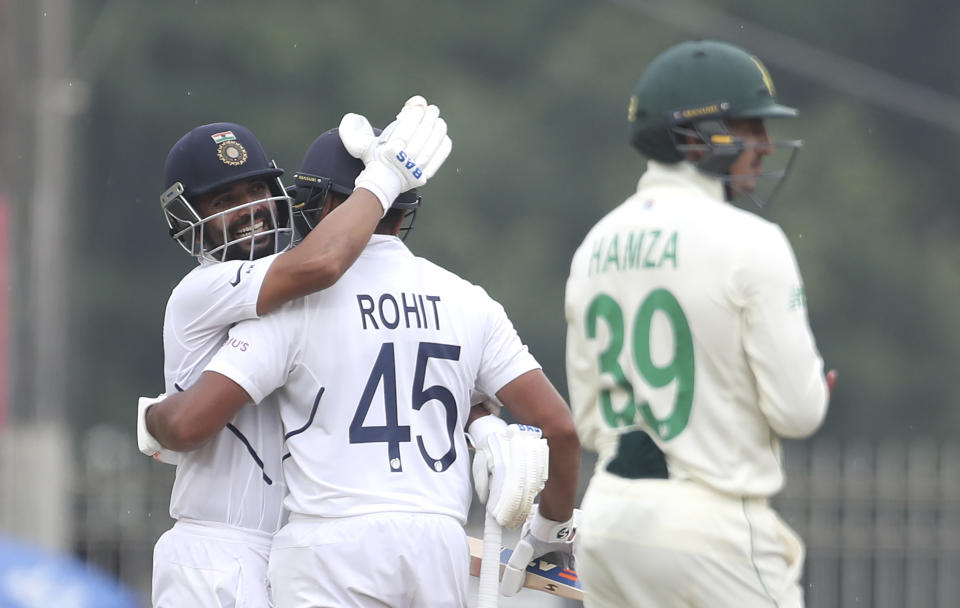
(542, 575)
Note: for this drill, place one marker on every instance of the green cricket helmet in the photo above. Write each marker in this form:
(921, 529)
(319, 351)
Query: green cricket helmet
(690, 91)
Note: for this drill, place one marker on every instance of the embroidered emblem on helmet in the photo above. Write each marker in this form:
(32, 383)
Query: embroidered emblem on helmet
(232, 153)
(223, 136)
(765, 76)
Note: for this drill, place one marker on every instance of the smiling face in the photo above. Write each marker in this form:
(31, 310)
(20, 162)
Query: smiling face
(239, 212)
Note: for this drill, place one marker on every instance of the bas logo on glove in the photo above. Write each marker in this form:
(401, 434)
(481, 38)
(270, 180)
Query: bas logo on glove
(404, 156)
(409, 164)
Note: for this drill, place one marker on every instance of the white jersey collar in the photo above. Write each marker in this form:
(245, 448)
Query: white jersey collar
(683, 174)
(385, 241)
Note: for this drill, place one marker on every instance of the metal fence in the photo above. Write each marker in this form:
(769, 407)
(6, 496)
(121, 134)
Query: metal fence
(881, 520)
(121, 506)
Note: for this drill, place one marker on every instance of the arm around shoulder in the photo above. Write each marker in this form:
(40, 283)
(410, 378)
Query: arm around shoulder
(186, 420)
(324, 255)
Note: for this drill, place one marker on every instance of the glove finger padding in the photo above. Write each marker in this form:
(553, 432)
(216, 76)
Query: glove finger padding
(147, 443)
(416, 100)
(515, 572)
(520, 469)
(432, 147)
(479, 433)
(481, 475)
(416, 146)
(408, 121)
(357, 136)
(439, 156)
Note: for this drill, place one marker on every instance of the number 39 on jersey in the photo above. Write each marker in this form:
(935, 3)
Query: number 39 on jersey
(679, 369)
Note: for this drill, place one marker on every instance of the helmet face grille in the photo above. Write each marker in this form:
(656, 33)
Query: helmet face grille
(720, 149)
(310, 194)
(248, 231)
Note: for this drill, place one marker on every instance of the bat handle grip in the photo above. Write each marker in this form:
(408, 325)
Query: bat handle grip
(489, 588)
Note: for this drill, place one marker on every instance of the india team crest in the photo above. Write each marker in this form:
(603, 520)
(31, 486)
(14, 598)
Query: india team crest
(232, 153)
(229, 151)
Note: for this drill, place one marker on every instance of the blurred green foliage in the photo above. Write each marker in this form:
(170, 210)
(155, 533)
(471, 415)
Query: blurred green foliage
(535, 93)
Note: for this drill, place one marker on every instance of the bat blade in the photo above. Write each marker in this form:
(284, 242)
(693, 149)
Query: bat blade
(542, 575)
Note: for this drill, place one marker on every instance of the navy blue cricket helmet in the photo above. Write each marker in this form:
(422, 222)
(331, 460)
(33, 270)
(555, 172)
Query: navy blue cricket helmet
(328, 167)
(206, 159)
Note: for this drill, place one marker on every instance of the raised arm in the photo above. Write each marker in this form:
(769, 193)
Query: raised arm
(408, 152)
(324, 255)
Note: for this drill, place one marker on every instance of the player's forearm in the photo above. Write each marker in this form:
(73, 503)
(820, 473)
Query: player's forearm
(532, 399)
(324, 255)
(172, 425)
(559, 494)
(185, 421)
(476, 411)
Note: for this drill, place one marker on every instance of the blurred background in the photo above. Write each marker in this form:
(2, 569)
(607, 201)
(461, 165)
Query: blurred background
(94, 92)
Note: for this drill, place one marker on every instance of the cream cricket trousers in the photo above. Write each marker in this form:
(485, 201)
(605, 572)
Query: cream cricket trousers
(211, 565)
(382, 560)
(657, 543)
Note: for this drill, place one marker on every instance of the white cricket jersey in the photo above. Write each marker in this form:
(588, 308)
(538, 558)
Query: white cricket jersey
(234, 478)
(373, 377)
(686, 318)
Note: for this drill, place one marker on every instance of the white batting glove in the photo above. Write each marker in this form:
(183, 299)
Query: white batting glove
(405, 155)
(147, 443)
(510, 467)
(538, 537)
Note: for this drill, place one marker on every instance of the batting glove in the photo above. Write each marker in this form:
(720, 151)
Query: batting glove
(147, 443)
(405, 155)
(510, 468)
(538, 537)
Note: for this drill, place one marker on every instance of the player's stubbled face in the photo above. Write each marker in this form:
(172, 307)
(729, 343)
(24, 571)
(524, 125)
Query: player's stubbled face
(749, 164)
(246, 221)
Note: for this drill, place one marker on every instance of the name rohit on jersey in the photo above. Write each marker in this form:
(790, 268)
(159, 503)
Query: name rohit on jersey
(633, 251)
(409, 311)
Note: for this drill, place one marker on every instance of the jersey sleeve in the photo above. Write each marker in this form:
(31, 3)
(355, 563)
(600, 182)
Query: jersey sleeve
(777, 338)
(216, 296)
(201, 309)
(259, 353)
(504, 356)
